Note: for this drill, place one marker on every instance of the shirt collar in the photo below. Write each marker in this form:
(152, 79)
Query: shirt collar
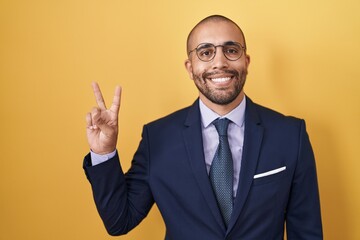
(237, 115)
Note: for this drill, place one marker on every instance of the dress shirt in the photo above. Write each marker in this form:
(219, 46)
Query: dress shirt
(211, 138)
(100, 158)
(235, 136)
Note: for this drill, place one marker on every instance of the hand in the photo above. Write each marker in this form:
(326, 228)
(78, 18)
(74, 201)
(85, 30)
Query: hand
(102, 124)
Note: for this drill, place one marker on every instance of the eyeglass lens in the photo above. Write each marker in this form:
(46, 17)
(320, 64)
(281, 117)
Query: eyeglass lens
(207, 52)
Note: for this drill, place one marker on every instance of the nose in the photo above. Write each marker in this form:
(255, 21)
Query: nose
(219, 61)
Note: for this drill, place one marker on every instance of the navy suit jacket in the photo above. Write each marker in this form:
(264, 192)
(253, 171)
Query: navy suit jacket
(169, 169)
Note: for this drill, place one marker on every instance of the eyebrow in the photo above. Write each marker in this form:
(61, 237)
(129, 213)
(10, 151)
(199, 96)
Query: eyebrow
(230, 43)
(205, 45)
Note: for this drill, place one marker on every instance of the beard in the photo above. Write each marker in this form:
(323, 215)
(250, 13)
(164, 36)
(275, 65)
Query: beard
(221, 96)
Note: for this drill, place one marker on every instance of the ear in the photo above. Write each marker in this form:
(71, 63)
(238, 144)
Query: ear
(189, 68)
(247, 60)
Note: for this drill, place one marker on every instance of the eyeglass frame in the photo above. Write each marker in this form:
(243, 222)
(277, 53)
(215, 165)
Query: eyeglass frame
(222, 46)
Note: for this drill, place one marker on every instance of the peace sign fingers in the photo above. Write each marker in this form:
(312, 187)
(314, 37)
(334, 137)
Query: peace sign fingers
(102, 123)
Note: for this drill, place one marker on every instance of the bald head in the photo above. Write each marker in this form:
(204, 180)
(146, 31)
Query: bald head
(213, 19)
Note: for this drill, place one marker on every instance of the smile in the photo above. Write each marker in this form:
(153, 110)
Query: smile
(220, 80)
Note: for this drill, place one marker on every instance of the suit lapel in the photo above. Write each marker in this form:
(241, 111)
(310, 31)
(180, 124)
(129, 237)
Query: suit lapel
(193, 141)
(252, 142)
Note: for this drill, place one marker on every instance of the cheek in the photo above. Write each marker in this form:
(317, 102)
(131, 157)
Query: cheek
(241, 66)
(198, 66)
(199, 71)
(238, 65)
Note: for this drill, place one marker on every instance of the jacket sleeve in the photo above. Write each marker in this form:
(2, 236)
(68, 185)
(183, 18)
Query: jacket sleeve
(122, 200)
(303, 217)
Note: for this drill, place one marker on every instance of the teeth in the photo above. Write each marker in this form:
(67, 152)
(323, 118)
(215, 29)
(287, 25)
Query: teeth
(219, 80)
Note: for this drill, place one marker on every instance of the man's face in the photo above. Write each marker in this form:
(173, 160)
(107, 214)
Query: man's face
(220, 80)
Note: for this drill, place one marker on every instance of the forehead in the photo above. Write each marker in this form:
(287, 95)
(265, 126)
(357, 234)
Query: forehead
(216, 32)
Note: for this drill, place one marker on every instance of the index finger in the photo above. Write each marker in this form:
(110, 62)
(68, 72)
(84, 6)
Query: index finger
(98, 95)
(116, 100)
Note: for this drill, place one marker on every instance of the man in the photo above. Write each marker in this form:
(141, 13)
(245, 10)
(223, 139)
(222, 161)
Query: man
(223, 168)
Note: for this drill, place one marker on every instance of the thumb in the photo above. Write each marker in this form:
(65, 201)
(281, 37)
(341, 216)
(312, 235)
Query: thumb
(100, 121)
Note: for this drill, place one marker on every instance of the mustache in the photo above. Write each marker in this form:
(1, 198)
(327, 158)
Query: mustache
(209, 74)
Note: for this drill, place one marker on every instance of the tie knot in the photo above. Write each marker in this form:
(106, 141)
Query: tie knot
(221, 125)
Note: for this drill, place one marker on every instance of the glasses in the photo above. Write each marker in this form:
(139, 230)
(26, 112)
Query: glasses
(207, 51)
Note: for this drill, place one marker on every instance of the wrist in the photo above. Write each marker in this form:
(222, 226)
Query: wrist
(97, 158)
(103, 152)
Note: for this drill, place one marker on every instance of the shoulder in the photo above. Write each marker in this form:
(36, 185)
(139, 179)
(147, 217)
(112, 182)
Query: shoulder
(176, 118)
(271, 117)
(168, 128)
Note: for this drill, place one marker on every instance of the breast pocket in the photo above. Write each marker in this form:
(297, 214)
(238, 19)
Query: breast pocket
(269, 176)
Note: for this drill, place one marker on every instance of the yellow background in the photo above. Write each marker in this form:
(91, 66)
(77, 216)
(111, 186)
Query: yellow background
(304, 62)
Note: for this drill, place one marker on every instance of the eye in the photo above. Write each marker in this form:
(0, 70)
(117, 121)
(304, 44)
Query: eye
(205, 52)
(232, 50)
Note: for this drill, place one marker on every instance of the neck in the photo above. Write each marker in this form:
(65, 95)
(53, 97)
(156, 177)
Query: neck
(223, 109)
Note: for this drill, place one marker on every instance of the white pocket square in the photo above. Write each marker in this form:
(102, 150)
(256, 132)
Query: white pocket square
(277, 170)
